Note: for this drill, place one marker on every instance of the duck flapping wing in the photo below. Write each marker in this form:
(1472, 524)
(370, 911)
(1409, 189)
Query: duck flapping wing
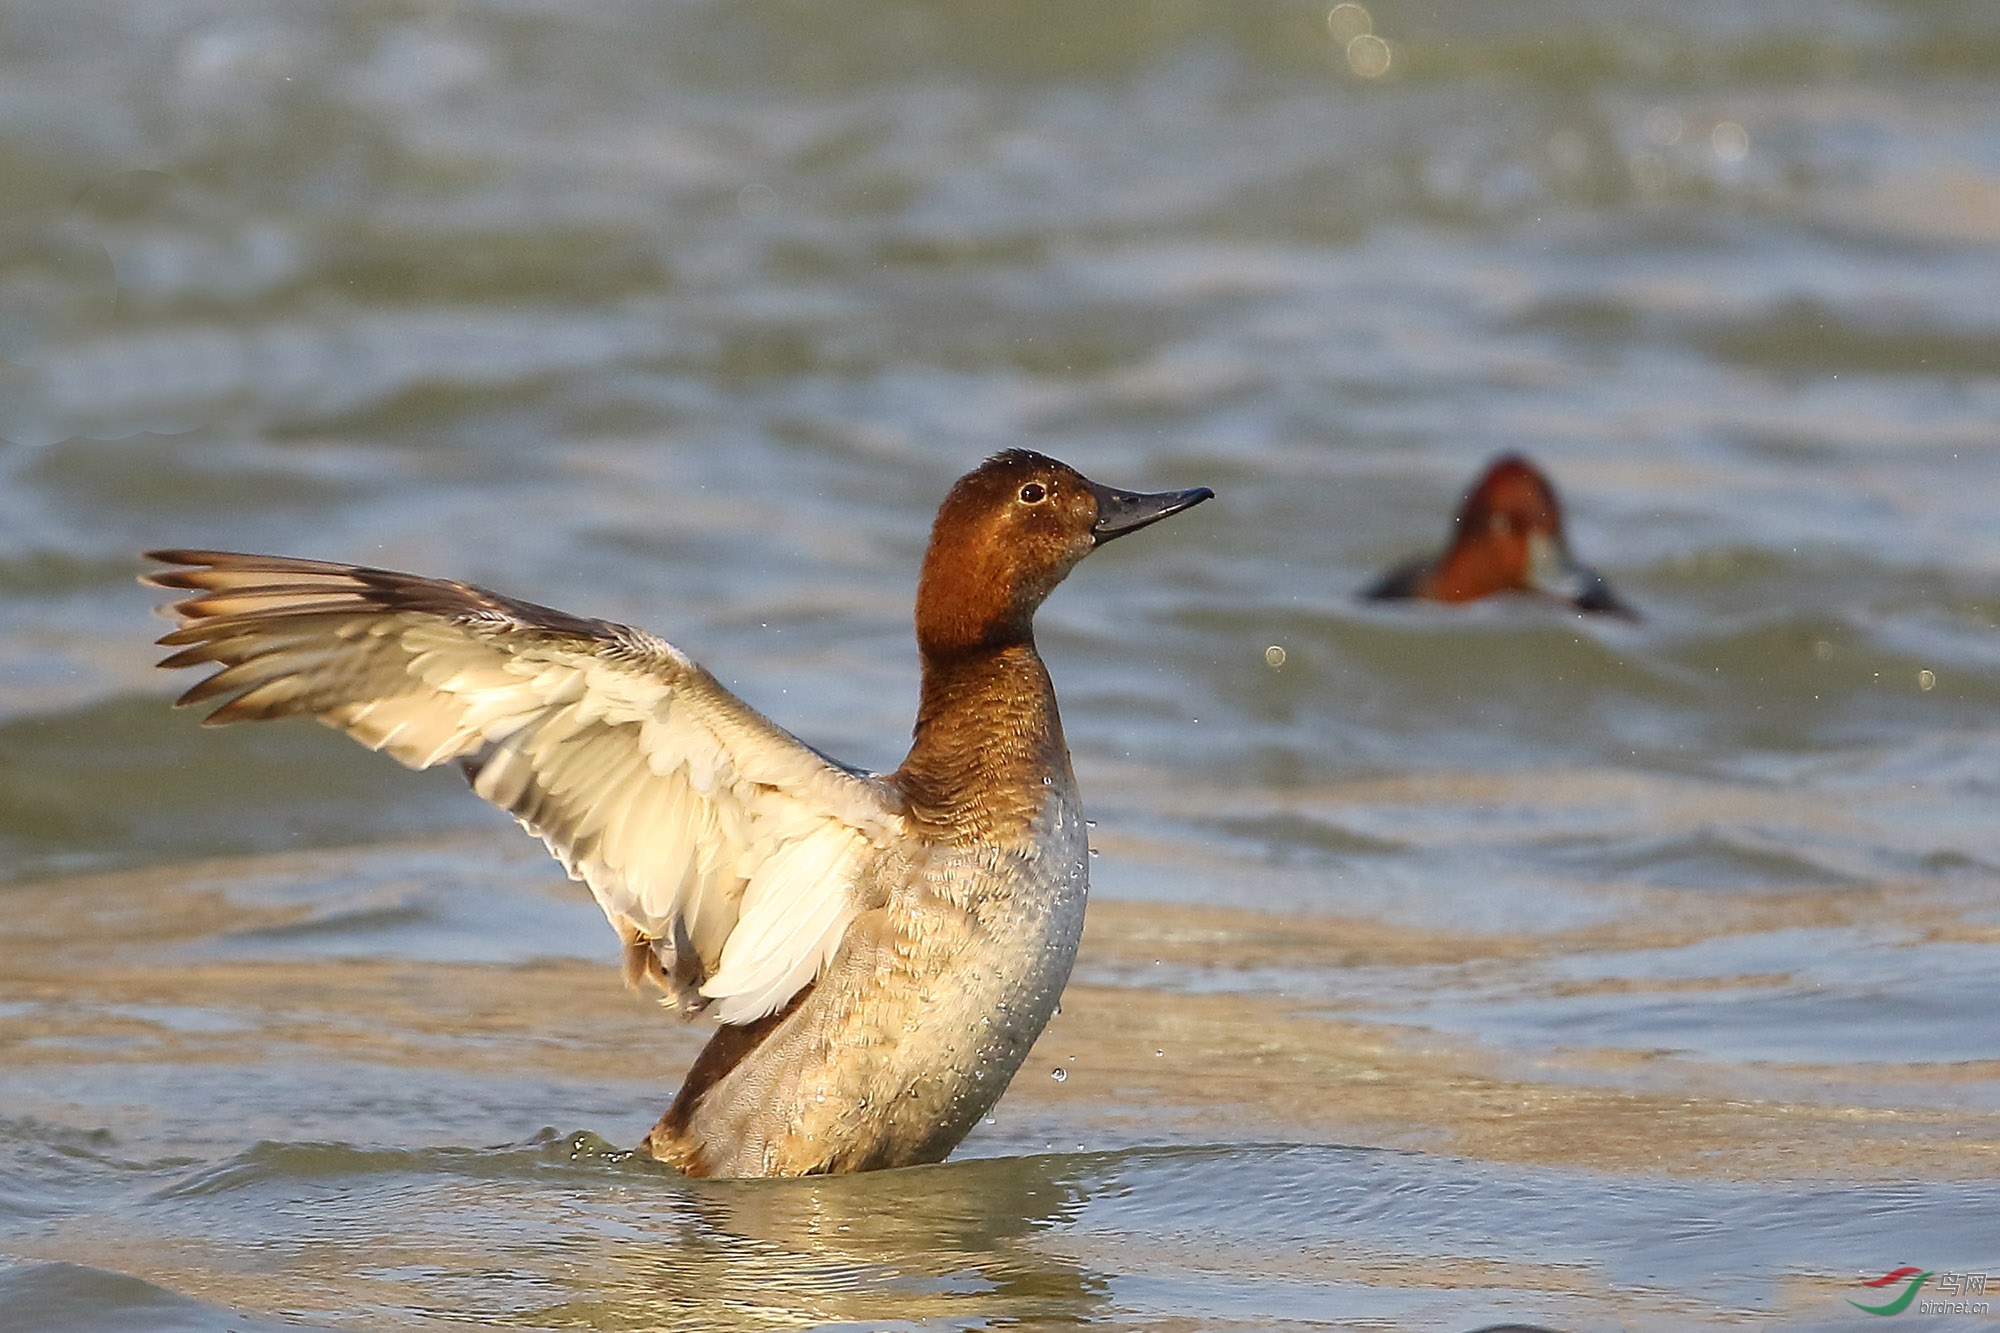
(724, 850)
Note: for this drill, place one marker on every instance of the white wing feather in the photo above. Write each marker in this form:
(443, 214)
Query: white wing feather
(699, 826)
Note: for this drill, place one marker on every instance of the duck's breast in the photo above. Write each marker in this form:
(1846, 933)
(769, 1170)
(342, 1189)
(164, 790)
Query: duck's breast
(923, 1016)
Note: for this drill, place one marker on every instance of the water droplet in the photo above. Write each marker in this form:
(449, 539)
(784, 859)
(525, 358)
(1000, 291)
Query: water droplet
(1059, 1074)
(1926, 679)
(1368, 55)
(1274, 655)
(1158, 1053)
(1730, 141)
(1346, 21)
(1090, 823)
(1058, 1012)
(991, 1120)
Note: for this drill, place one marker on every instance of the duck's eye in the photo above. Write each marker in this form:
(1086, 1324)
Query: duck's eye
(1034, 493)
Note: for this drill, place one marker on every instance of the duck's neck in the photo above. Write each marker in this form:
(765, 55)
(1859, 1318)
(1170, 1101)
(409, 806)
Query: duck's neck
(989, 746)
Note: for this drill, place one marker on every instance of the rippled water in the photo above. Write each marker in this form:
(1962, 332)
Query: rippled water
(1467, 966)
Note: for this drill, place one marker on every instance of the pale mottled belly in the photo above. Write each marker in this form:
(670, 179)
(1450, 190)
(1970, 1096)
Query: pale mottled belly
(923, 1017)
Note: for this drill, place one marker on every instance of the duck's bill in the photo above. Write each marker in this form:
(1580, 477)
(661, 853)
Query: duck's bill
(1551, 571)
(1595, 595)
(1120, 512)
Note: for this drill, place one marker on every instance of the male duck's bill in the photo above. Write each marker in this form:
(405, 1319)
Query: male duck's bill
(881, 950)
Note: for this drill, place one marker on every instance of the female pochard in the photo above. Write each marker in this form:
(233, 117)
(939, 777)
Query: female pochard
(1508, 537)
(881, 949)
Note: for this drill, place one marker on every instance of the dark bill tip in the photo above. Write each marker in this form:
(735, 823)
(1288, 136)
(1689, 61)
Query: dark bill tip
(1595, 596)
(1120, 512)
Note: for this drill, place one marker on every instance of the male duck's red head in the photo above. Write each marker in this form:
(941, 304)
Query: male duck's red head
(1004, 538)
(1508, 538)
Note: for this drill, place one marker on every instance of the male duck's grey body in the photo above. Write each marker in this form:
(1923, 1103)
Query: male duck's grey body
(882, 950)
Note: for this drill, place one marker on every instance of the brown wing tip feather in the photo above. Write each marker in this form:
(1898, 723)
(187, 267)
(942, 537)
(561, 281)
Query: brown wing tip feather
(273, 626)
(273, 576)
(196, 566)
(238, 597)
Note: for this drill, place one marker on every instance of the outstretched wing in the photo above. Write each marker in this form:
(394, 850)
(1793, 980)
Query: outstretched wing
(722, 848)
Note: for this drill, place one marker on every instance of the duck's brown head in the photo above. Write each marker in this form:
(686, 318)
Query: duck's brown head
(1509, 538)
(1004, 538)
(1510, 523)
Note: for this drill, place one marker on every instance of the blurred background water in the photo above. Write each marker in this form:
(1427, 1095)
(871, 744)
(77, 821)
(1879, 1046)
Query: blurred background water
(1468, 965)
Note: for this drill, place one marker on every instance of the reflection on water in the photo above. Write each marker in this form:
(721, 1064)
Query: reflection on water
(1637, 957)
(599, 1239)
(937, 1244)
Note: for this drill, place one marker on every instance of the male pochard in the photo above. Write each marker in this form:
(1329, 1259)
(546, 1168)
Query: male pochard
(881, 949)
(1508, 537)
